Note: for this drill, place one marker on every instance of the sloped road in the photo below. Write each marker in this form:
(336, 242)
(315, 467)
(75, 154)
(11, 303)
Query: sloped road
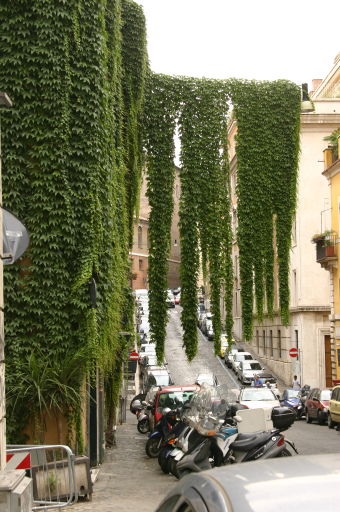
(129, 481)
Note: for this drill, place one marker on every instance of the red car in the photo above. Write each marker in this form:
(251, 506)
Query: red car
(317, 404)
(172, 397)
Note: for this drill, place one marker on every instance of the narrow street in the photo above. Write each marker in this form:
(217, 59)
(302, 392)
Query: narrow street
(129, 481)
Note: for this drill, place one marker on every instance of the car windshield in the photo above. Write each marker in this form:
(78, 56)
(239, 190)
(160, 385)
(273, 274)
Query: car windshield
(325, 394)
(257, 394)
(173, 399)
(254, 366)
(293, 393)
(207, 378)
(159, 380)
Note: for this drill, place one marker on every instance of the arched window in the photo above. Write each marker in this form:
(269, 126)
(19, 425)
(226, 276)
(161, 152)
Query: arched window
(140, 237)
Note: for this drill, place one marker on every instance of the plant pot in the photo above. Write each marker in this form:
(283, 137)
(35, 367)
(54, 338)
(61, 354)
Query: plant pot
(329, 250)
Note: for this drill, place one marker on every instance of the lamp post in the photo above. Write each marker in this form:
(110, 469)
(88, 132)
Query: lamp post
(5, 102)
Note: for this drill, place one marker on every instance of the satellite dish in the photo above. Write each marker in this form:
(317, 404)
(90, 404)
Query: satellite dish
(15, 237)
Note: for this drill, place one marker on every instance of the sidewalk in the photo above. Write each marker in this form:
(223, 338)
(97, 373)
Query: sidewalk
(128, 479)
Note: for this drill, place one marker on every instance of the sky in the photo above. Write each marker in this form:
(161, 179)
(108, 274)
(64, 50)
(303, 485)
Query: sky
(297, 40)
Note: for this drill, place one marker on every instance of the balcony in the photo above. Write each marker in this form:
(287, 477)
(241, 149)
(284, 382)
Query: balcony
(326, 250)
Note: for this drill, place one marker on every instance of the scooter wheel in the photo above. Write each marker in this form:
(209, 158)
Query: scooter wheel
(285, 453)
(153, 446)
(173, 467)
(143, 426)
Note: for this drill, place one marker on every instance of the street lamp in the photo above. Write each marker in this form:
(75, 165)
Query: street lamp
(306, 103)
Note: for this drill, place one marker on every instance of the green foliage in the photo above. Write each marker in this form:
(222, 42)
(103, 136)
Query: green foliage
(72, 156)
(333, 141)
(267, 115)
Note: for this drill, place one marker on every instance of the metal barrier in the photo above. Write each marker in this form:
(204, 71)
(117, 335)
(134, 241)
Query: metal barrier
(52, 470)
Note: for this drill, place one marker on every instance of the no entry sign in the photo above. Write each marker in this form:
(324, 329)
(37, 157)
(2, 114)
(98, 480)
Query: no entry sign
(134, 356)
(293, 352)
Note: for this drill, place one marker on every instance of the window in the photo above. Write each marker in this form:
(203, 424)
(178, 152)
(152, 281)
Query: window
(338, 354)
(271, 343)
(264, 342)
(257, 341)
(279, 346)
(140, 262)
(297, 342)
(140, 237)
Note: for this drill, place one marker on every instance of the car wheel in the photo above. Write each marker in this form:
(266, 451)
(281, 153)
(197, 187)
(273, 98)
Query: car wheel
(308, 418)
(330, 422)
(321, 419)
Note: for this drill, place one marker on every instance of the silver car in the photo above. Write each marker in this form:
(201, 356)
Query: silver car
(247, 370)
(308, 482)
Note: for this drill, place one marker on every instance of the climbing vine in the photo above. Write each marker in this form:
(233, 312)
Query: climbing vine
(267, 116)
(75, 72)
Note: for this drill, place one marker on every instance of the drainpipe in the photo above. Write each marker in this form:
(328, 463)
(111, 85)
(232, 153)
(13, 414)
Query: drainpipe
(332, 323)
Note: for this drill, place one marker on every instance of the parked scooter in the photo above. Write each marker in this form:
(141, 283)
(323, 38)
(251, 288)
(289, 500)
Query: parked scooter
(161, 430)
(218, 444)
(292, 398)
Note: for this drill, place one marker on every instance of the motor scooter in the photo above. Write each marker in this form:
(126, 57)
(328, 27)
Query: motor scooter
(227, 446)
(161, 430)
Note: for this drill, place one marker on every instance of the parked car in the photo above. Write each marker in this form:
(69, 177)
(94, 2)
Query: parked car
(172, 397)
(317, 405)
(208, 378)
(262, 486)
(201, 319)
(238, 357)
(333, 417)
(267, 376)
(206, 322)
(224, 345)
(170, 300)
(229, 355)
(254, 398)
(156, 376)
(178, 298)
(247, 370)
(209, 330)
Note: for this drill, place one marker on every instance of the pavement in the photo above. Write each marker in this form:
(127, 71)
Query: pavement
(128, 480)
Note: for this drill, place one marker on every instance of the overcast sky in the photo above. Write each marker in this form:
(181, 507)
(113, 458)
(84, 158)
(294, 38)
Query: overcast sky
(262, 39)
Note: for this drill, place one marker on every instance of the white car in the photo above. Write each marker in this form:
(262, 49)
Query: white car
(207, 378)
(247, 370)
(238, 357)
(254, 398)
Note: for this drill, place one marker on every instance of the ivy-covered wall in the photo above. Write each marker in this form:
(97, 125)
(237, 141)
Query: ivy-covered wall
(75, 71)
(267, 115)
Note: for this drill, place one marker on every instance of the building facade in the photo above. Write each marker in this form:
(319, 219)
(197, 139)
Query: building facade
(310, 304)
(139, 254)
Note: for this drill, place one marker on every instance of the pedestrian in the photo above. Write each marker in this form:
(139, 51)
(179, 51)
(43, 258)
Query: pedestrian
(257, 382)
(296, 384)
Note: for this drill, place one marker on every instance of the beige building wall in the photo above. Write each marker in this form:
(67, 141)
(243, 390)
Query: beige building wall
(139, 254)
(309, 283)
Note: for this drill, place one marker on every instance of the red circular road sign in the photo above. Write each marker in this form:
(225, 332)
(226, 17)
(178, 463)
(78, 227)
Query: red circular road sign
(293, 352)
(133, 356)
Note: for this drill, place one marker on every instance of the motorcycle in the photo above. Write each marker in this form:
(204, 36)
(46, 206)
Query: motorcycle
(161, 430)
(219, 442)
(292, 398)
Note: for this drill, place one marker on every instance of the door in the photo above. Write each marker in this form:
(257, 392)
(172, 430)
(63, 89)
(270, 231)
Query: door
(328, 363)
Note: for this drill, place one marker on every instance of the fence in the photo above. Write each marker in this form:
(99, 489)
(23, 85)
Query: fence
(52, 469)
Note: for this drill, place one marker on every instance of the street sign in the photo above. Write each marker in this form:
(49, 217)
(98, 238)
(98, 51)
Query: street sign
(133, 356)
(293, 352)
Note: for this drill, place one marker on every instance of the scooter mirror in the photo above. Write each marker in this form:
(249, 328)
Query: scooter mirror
(238, 418)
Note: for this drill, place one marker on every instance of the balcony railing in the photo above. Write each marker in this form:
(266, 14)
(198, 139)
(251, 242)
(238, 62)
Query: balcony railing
(326, 250)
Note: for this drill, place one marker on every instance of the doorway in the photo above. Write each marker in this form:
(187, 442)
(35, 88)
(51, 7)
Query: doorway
(328, 362)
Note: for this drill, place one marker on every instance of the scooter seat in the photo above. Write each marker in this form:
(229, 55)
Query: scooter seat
(245, 442)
